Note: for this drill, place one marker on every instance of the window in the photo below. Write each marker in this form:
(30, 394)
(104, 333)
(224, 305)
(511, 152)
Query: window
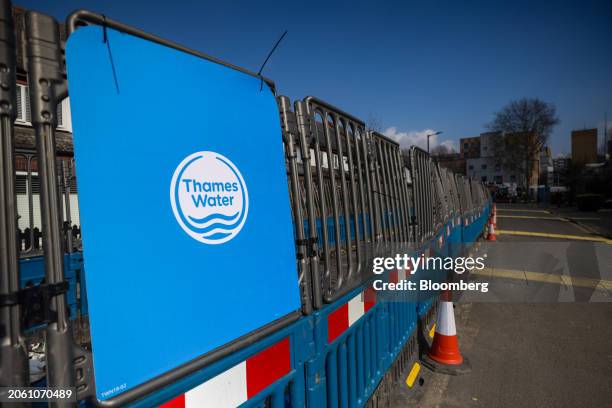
(484, 179)
(64, 119)
(470, 167)
(483, 166)
(23, 104)
(465, 145)
(498, 179)
(513, 178)
(24, 115)
(497, 167)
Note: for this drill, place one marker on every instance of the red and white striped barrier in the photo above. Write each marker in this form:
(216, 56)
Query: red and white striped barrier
(399, 275)
(240, 383)
(346, 315)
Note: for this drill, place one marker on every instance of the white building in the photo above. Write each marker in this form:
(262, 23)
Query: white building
(485, 168)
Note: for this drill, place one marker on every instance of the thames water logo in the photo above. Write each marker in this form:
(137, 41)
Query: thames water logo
(209, 197)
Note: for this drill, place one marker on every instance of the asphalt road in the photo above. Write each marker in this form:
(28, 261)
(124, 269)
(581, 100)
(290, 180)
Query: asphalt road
(533, 351)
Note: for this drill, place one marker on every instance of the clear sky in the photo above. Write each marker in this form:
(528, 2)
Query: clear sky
(412, 66)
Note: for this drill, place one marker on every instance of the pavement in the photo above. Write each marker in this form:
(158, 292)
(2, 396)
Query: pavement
(550, 343)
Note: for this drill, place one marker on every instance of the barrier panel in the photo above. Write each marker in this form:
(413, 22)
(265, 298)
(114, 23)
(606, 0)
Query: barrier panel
(467, 211)
(351, 195)
(27, 188)
(391, 192)
(357, 339)
(454, 221)
(269, 373)
(300, 194)
(32, 273)
(479, 197)
(421, 171)
(351, 349)
(441, 204)
(341, 196)
(213, 200)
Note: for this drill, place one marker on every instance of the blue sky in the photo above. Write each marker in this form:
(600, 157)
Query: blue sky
(413, 66)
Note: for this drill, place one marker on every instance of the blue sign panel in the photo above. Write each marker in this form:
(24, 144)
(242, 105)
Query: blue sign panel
(187, 234)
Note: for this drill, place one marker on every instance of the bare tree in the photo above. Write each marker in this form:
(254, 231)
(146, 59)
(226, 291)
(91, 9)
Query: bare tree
(524, 126)
(441, 150)
(374, 123)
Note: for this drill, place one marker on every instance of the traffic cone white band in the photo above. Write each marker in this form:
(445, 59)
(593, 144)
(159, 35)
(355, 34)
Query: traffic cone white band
(445, 324)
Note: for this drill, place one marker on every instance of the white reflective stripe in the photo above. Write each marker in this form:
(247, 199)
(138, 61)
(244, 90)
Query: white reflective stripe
(446, 319)
(226, 390)
(355, 309)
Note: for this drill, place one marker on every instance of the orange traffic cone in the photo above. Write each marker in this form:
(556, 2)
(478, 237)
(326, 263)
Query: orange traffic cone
(491, 233)
(444, 355)
(494, 216)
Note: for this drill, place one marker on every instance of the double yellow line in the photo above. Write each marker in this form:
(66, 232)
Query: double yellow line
(575, 281)
(523, 210)
(557, 236)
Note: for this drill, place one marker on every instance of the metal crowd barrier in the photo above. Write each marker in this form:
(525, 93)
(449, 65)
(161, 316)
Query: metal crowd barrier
(349, 193)
(454, 223)
(29, 233)
(391, 191)
(354, 195)
(342, 200)
(421, 170)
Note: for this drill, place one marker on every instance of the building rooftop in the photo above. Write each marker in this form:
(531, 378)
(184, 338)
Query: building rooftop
(25, 139)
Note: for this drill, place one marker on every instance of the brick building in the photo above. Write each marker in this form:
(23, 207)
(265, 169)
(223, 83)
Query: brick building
(451, 161)
(470, 147)
(584, 146)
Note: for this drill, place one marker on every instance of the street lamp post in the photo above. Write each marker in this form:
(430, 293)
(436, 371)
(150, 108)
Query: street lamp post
(430, 135)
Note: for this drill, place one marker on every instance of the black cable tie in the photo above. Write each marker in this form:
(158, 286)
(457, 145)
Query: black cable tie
(9, 299)
(106, 41)
(35, 302)
(267, 58)
(306, 241)
(104, 34)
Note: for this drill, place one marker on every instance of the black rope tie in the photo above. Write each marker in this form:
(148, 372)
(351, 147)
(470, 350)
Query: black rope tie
(106, 41)
(267, 58)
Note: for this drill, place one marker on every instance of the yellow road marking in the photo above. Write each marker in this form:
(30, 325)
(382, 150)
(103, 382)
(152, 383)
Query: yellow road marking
(414, 372)
(559, 236)
(581, 228)
(432, 331)
(523, 210)
(575, 281)
(527, 217)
